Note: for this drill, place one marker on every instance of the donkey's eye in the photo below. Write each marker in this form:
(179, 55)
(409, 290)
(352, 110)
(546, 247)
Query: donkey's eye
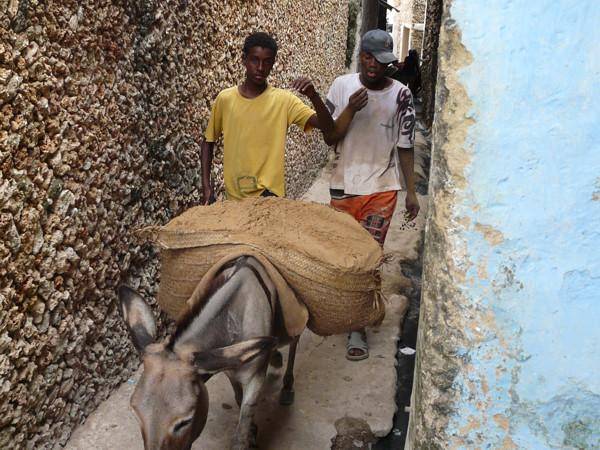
(182, 424)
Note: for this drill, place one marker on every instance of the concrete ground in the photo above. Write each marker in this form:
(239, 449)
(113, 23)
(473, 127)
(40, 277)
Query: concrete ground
(328, 387)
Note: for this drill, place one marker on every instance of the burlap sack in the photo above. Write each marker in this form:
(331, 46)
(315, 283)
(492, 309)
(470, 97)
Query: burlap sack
(328, 259)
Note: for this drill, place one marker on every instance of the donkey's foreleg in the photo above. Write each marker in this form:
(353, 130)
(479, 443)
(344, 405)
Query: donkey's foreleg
(245, 436)
(287, 391)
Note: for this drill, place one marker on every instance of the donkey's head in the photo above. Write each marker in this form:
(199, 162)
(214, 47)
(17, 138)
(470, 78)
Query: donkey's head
(170, 400)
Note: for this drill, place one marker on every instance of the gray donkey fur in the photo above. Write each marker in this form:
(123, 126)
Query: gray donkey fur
(233, 331)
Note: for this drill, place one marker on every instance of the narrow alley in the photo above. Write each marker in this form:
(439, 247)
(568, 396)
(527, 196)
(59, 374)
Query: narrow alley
(351, 402)
(121, 115)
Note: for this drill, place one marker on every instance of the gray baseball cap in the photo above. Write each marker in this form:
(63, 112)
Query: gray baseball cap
(379, 44)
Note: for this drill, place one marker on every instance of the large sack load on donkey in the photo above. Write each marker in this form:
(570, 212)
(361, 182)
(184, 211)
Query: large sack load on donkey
(326, 257)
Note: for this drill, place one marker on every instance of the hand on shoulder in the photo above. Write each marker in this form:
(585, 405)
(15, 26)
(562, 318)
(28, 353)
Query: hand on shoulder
(304, 86)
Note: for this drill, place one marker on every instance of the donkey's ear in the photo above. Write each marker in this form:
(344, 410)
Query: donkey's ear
(233, 356)
(138, 317)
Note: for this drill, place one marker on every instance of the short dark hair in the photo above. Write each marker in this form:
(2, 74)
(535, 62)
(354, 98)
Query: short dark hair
(260, 39)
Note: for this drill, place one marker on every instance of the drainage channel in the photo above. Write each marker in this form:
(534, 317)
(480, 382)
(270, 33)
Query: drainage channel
(407, 342)
(406, 361)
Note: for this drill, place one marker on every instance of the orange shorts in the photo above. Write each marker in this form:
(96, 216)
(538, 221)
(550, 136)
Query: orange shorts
(374, 211)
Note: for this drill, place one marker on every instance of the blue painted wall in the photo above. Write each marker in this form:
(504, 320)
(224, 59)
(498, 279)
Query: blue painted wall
(532, 198)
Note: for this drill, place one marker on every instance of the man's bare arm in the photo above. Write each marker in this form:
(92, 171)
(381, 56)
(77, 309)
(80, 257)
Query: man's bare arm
(357, 101)
(322, 119)
(407, 165)
(206, 157)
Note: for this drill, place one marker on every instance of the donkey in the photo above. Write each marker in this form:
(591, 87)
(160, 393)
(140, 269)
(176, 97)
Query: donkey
(233, 331)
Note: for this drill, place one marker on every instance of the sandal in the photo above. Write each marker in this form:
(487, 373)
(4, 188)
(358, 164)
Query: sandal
(357, 340)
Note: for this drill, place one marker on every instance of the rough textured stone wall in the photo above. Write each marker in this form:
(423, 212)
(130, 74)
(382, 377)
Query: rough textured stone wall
(418, 17)
(416, 40)
(429, 67)
(418, 11)
(102, 104)
(354, 7)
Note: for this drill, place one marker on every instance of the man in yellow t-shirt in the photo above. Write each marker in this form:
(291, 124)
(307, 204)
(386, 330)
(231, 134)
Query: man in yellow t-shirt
(253, 119)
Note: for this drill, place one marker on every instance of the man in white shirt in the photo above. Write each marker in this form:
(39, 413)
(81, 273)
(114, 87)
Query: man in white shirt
(374, 138)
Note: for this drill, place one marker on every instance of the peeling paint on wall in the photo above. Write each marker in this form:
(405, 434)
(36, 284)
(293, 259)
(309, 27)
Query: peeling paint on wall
(511, 289)
(438, 339)
(596, 193)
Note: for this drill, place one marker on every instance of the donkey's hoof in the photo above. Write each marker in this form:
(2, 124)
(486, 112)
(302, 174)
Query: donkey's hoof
(286, 397)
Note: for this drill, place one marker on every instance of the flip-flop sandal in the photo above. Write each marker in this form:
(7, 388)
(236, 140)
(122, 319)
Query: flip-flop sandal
(357, 341)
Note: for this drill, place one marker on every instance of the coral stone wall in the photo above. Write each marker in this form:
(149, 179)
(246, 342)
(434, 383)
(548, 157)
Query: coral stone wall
(418, 11)
(102, 104)
(416, 41)
(429, 68)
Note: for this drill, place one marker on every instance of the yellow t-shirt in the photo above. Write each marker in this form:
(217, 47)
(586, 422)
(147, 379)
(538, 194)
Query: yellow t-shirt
(254, 133)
